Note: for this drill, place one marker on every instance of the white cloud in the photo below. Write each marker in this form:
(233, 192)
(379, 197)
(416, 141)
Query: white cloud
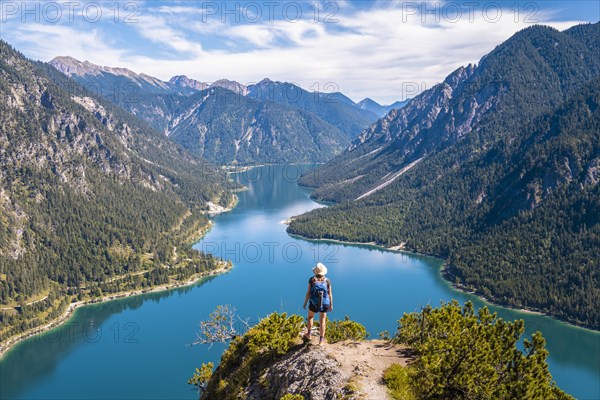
(258, 35)
(370, 54)
(177, 10)
(380, 52)
(45, 42)
(156, 29)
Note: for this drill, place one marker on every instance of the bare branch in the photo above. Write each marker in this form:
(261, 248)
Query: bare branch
(221, 327)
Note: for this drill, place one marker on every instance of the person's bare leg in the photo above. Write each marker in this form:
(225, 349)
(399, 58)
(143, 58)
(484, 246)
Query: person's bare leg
(309, 323)
(322, 326)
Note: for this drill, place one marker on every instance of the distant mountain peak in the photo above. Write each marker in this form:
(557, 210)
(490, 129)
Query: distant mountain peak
(72, 67)
(179, 78)
(184, 81)
(234, 86)
(381, 110)
(265, 81)
(66, 60)
(366, 101)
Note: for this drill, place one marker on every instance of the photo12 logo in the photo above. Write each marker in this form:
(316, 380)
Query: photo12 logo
(455, 11)
(91, 332)
(267, 252)
(253, 12)
(55, 12)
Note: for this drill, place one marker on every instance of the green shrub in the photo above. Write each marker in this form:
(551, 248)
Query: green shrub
(351, 388)
(346, 329)
(275, 333)
(398, 380)
(248, 355)
(463, 355)
(202, 376)
(292, 397)
(385, 336)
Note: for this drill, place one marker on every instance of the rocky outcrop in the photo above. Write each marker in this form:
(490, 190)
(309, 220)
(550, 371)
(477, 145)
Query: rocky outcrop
(345, 370)
(309, 371)
(219, 121)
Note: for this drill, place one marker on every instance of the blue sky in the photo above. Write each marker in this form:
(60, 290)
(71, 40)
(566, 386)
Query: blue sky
(386, 50)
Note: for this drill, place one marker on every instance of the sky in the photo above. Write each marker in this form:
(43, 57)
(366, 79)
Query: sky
(385, 50)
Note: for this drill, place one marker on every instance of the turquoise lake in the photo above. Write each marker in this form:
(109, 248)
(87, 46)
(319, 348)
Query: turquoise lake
(137, 348)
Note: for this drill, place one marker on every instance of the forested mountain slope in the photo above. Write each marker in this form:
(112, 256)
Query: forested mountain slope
(87, 193)
(531, 73)
(226, 127)
(335, 108)
(503, 177)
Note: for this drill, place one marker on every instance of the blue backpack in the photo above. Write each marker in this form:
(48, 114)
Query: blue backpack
(319, 294)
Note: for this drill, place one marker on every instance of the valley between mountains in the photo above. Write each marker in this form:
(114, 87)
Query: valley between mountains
(108, 175)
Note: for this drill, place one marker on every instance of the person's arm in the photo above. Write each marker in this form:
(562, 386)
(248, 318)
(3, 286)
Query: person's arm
(330, 296)
(306, 297)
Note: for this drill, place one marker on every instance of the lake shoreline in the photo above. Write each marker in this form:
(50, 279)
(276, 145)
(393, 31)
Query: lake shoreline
(216, 209)
(9, 343)
(393, 249)
(166, 318)
(443, 271)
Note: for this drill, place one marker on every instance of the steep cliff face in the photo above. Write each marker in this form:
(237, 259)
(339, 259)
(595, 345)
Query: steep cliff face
(409, 125)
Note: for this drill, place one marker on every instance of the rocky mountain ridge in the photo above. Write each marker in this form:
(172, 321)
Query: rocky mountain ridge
(327, 104)
(227, 127)
(313, 132)
(468, 101)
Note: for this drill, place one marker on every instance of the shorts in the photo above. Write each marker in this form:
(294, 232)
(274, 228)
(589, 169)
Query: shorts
(314, 308)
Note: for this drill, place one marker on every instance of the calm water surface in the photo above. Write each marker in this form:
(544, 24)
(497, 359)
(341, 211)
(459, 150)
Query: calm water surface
(136, 348)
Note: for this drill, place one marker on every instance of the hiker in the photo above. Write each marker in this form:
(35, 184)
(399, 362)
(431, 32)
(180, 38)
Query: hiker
(321, 300)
